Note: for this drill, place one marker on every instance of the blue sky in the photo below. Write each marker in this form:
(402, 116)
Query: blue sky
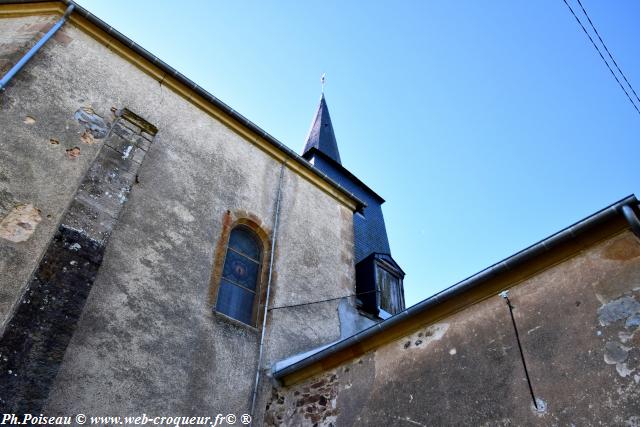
(486, 126)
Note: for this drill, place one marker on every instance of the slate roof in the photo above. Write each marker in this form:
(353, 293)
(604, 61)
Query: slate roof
(321, 135)
(321, 149)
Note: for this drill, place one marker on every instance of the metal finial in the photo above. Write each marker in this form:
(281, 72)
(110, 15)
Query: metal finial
(322, 80)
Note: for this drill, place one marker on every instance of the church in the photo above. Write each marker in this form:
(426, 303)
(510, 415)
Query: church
(162, 255)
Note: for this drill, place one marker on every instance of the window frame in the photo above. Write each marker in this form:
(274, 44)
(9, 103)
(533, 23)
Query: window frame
(252, 224)
(256, 240)
(381, 264)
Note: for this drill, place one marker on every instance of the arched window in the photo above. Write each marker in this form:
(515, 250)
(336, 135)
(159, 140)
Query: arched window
(239, 282)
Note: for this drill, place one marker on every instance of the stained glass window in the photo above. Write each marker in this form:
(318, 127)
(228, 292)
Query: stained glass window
(239, 283)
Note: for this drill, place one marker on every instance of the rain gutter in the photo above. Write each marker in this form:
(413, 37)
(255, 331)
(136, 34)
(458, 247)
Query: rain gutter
(170, 71)
(627, 208)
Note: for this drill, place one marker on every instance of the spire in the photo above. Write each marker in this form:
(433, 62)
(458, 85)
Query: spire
(321, 134)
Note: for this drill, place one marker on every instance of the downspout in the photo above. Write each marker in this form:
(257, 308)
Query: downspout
(274, 235)
(632, 219)
(21, 63)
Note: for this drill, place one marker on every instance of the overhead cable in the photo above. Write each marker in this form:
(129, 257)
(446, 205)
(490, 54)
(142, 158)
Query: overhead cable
(607, 50)
(319, 301)
(602, 56)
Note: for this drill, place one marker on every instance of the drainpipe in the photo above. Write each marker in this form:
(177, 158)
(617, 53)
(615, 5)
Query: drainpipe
(276, 221)
(632, 219)
(21, 63)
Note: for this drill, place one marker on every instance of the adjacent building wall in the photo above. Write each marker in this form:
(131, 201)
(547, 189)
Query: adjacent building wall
(579, 324)
(147, 341)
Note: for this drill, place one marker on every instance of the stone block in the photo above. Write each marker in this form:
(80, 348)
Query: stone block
(95, 223)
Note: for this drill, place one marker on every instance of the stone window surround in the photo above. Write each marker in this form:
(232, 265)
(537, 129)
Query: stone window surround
(251, 221)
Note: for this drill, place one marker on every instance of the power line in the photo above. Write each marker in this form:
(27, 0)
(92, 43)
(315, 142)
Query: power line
(316, 302)
(601, 56)
(609, 53)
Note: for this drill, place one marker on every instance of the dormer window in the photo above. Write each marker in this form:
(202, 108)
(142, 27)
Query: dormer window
(379, 285)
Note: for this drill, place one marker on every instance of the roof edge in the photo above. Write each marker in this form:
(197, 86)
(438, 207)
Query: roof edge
(313, 151)
(558, 247)
(385, 254)
(179, 83)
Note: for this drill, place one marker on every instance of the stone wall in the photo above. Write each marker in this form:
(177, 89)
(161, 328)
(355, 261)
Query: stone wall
(579, 325)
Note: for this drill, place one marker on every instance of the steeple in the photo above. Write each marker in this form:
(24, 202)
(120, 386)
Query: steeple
(321, 136)
(378, 277)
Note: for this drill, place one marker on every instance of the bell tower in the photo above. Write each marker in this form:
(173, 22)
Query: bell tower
(379, 279)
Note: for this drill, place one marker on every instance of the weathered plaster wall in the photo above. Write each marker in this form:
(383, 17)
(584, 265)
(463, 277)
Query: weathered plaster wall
(579, 325)
(36, 338)
(147, 340)
(303, 325)
(19, 34)
(37, 128)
